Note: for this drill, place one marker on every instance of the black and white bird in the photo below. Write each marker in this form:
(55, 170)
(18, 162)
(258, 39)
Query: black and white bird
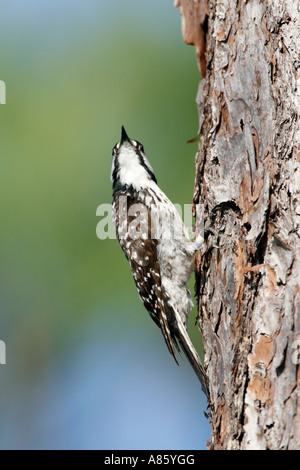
(157, 246)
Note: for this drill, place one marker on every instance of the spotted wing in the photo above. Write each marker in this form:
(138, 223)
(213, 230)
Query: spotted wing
(134, 234)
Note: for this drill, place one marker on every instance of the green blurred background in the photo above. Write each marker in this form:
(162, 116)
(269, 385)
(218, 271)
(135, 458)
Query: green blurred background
(86, 367)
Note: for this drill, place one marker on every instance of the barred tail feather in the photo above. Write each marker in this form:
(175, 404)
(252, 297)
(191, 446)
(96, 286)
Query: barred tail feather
(192, 355)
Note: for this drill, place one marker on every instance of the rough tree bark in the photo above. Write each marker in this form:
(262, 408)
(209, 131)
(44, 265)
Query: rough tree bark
(248, 182)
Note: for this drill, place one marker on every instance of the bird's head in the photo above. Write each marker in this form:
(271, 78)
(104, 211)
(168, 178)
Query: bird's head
(130, 166)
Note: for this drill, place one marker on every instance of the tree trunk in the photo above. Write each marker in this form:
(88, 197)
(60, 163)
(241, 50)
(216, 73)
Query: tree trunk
(248, 183)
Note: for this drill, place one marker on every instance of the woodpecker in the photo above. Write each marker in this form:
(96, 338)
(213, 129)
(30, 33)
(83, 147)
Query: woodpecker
(157, 246)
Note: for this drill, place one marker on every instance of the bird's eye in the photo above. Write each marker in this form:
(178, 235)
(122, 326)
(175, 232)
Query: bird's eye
(141, 148)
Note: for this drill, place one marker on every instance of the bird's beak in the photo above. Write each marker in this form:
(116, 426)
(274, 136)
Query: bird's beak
(124, 136)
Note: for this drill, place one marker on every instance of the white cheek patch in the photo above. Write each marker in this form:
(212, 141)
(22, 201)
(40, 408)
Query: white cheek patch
(131, 171)
(112, 169)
